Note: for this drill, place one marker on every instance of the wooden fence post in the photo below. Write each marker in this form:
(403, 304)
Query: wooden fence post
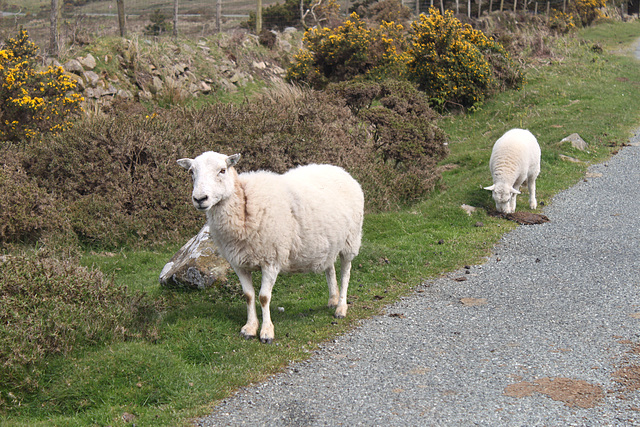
(219, 16)
(175, 18)
(259, 17)
(54, 40)
(121, 17)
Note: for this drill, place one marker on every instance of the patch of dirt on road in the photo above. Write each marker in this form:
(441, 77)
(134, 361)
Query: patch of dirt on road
(628, 375)
(572, 392)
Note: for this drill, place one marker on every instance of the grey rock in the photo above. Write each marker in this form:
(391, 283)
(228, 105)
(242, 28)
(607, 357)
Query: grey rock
(204, 87)
(88, 62)
(124, 94)
(52, 62)
(74, 66)
(156, 85)
(91, 78)
(197, 265)
(93, 92)
(576, 141)
(569, 159)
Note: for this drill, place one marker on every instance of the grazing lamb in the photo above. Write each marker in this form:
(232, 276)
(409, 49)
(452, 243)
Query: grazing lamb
(296, 222)
(515, 159)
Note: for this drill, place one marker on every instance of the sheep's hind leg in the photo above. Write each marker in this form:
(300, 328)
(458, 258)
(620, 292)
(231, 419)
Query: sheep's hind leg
(533, 203)
(250, 329)
(269, 276)
(345, 274)
(334, 298)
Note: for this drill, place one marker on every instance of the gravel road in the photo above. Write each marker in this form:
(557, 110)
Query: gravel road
(546, 332)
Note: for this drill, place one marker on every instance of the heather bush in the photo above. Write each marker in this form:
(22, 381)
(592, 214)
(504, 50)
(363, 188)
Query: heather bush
(50, 307)
(113, 181)
(406, 142)
(455, 64)
(33, 102)
(27, 211)
(117, 178)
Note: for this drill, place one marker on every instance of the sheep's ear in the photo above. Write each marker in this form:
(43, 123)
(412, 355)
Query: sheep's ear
(514, 191)
(185, 163)
(233, 160)
(491, 188)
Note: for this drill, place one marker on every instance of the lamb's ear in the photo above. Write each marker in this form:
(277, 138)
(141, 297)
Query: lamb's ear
(514, 191)
(233, 160)
(491, 188)
(185, 163)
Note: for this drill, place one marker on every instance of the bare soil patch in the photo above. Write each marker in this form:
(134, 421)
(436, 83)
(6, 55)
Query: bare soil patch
(522, 218)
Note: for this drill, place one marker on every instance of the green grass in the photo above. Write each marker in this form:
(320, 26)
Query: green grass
(199, 356)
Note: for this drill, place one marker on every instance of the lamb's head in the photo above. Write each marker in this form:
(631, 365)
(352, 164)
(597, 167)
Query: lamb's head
(213, 180)
(502, 194)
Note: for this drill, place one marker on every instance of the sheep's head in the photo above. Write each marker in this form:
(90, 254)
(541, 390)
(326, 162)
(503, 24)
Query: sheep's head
(212, 180)
(502, 194)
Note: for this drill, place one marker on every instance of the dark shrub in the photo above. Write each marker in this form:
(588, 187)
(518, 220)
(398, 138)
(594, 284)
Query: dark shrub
(118, 178)
(27, 211)
(115, 179)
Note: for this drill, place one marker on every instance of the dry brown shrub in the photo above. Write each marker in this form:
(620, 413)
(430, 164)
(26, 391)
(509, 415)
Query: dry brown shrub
(116, 182)
(27, 211)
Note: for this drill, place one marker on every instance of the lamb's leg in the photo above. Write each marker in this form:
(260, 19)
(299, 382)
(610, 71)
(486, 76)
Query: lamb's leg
(251, 328)
(330, 273)
(533, 203)
(345, 274)
(512, 203)
(269, 275)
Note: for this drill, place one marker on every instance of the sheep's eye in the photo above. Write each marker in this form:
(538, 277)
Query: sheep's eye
(222, 171)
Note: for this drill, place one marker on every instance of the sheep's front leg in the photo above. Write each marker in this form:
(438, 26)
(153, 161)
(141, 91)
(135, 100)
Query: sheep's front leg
(251, 328)
(330, 273)
(345, 275)
(269, 276)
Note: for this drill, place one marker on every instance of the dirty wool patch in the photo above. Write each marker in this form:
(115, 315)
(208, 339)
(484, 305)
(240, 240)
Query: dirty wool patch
(572, 392)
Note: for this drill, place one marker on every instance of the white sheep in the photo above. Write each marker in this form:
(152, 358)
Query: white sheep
(296, 222)
(515, 159)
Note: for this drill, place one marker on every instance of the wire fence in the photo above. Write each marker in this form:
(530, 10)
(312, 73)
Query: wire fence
(79, 21)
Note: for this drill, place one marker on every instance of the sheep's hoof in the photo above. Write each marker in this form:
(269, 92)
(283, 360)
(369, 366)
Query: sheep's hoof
(247, 337)
(266, 340)
(339, 316)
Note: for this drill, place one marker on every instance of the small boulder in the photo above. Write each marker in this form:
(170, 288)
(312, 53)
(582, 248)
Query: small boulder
(197, 265)
(88, 62)
(576, 141)
(91, 78)
(73, 66)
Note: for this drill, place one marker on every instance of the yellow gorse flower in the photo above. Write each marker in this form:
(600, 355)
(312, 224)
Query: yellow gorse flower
(33, 101)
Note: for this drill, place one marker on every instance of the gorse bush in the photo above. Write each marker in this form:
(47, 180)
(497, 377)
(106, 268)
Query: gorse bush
(33, 102)
(456, 64)
(346, 52)
(50, 307)
(561, 22)
(588, 10)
